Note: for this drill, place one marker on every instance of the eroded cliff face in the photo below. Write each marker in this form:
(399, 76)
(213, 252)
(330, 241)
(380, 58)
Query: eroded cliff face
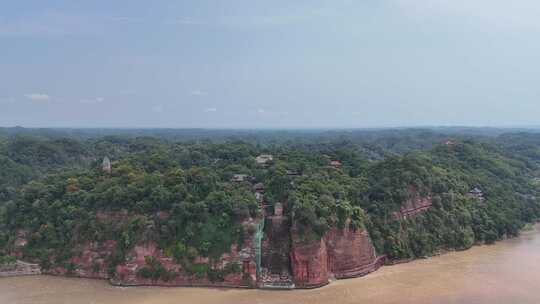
(127, 274)
(350, 253)
(89, 263)
(309, 263)
(286, 260)
(275, 257)
(92, 261)
(415, 204)
(340, 254)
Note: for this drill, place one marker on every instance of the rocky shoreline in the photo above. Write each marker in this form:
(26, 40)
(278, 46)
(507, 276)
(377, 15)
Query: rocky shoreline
(19, 268)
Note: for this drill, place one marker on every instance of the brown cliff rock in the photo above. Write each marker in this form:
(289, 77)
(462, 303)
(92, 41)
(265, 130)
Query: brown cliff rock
(90, 263)
(415, 204)
(341, 253)
(350, 253)
(92, 257)
(127, 273)
(309, 263)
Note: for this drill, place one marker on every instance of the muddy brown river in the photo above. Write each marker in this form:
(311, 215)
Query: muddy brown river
(508, 272)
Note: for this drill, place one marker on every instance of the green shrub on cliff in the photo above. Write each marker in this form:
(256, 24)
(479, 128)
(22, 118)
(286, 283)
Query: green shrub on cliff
(6, 259)
(454, 221)
(154, 270)
(179, 194)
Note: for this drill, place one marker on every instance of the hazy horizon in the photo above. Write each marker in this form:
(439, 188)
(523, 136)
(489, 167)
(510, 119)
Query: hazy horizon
(276, 65)
(374, 128)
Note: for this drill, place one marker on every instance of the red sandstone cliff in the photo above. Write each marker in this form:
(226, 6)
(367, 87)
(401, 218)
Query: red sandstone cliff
(350, 253)
(126, 273)
(309, 263)
(341, 253)
(415, 204)
(91, 262)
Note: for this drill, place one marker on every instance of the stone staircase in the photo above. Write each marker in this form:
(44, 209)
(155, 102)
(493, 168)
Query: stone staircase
(275, 261)
(19, 268)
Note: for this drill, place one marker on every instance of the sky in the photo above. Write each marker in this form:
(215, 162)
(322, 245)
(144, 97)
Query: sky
(269, 64)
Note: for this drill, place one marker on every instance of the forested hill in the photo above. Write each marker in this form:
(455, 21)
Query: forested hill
(416, 193)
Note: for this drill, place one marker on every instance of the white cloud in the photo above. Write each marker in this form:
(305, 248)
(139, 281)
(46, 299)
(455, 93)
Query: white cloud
(210, 110)
(261, 111)
(157, 109)
(198, 93)
(94, 100)
(38, 97)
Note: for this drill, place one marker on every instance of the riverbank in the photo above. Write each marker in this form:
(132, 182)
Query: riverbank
(28, 269)
(506, 272)
(19, 268)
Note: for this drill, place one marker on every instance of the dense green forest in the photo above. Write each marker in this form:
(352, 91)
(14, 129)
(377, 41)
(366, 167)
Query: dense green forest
(52, 186)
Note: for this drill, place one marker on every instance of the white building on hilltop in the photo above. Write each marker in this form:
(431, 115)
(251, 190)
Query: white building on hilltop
(106, 165)
(264, 158)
